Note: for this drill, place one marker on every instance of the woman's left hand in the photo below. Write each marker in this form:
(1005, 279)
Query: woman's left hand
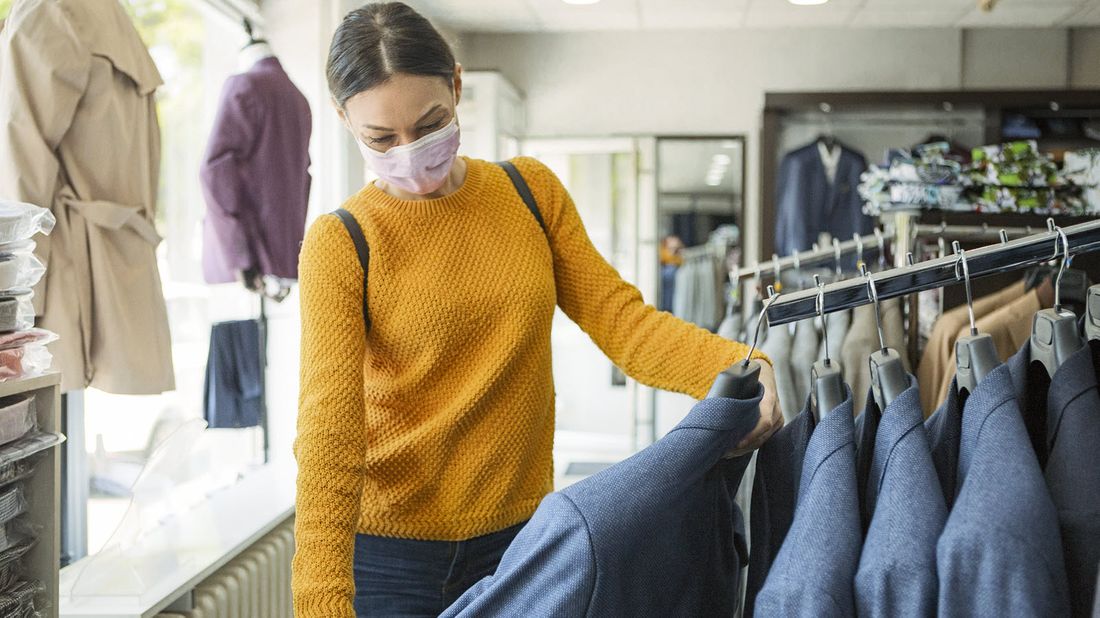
(771, 417)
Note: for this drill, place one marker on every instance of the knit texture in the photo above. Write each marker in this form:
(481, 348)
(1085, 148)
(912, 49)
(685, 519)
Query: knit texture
(438, 424)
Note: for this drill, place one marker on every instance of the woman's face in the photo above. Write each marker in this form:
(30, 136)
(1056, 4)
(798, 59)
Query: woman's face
(402, 110)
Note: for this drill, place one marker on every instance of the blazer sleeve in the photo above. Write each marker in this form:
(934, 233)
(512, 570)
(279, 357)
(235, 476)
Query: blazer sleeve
(44, 71)
(231, 144)
(651, 346)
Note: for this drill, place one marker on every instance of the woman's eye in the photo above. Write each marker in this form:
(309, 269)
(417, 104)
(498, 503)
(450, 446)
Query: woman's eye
(380, 140)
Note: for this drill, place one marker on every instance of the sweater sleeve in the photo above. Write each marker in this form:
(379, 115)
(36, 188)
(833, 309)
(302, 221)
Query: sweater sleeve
(651, 346)
(331, 445)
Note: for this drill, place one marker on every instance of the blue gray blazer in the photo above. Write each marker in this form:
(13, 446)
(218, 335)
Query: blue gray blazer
(813, 573)
(655, 535)
(1000, 553)
(1072, 440)
(897, 570)
(944, 429)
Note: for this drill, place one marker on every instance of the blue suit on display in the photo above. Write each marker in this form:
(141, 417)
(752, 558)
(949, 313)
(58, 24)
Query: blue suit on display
(808, 203)
(655, 535)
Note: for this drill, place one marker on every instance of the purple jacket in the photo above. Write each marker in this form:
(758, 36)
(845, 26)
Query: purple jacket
(255, 176)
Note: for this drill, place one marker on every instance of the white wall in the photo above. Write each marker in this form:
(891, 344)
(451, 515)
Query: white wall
(713, 82)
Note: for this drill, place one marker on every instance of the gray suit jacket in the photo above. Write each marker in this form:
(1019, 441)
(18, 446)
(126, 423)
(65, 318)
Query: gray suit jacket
(1000, 553)
(944, 429)
(897, 570)
(813, 573)
(1072, 436)
(655, 535)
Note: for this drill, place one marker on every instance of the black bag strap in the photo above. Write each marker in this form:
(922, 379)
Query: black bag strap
(362, 249)
(524, 193)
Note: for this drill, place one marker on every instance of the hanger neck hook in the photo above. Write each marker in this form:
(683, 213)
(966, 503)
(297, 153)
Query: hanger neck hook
(965, 276)
(777, 271)
(881, 248)
(824, 320)
(1066, 259)
(760, 323)
(872, 293)
(836, 254)
(859, 247)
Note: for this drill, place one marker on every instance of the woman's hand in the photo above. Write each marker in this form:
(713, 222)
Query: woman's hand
(771, 417)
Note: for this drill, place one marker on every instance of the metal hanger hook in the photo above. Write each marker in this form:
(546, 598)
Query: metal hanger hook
(821, 312)
(872, 292)
(859, 247)
(881, 248)
(760, 322)
(1066, 259)
(777, 271)
(837, 253)
(959, 251)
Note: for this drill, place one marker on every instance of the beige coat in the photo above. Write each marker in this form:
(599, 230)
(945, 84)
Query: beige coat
(77, 103)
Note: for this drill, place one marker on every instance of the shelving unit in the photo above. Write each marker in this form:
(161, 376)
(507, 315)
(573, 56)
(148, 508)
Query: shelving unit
(43, 487)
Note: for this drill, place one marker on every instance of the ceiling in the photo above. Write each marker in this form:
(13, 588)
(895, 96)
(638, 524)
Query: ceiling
(684, 164)
(557, 16)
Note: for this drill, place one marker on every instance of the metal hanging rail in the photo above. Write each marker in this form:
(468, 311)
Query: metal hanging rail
(817, 257)
(990, 260)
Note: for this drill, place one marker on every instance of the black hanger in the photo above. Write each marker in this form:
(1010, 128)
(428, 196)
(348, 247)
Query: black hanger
(1092, 314)
(742, 381)
(252, 40)
(827, 376)
(975, 354)
(1054, 334)
(888, 376)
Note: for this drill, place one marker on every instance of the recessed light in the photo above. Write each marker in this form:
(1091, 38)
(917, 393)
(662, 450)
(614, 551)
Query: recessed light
(580, 2)
(807, 2)
(712, 182)
(722, 159)
(730, 144)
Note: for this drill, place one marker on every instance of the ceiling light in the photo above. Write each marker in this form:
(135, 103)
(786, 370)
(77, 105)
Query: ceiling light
(714, 183)
(730, 144)
(580, 2)
(807, 2)
(722, 159)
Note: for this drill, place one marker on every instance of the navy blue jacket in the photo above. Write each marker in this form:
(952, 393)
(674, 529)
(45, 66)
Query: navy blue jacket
(655, 535)
(1072, 438)
(809, 204)
(234, 376)
(813, 573)
(897, 570)
(774, 496)
(1000, 553)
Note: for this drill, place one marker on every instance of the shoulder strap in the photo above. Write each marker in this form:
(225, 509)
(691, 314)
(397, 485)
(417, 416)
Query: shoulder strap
(524, 192)
(362, 249)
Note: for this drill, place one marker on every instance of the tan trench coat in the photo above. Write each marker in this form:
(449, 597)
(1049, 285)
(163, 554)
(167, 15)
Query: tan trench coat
(80, 136)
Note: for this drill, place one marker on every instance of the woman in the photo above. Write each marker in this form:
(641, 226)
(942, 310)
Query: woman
(424, 439)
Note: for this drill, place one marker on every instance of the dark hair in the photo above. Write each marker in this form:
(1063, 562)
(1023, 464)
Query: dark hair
(380, 39)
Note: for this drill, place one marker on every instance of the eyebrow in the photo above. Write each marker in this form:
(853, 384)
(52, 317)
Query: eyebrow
(438, 106)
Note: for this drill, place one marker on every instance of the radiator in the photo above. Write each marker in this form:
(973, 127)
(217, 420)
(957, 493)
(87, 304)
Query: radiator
(255, 584)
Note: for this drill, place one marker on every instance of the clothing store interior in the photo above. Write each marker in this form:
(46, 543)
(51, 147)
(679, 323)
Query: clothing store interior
(349, 308)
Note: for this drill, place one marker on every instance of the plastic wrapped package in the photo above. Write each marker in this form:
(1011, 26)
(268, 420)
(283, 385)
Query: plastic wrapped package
(21, 221)
(15, 471)
(20, 600)
(12, 568)
(17, 418)
(30, 360)
(31, 444)
(13, 503)
(19, 266)
(16, 310)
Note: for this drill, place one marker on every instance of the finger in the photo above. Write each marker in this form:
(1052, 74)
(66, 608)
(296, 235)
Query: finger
(760, 430)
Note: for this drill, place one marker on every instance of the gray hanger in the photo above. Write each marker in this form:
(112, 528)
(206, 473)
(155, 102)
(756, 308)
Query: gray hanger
(975, 354)
(1054, 334)
(742, 380)
(1092, 314)
(888, 376)
(827, 376)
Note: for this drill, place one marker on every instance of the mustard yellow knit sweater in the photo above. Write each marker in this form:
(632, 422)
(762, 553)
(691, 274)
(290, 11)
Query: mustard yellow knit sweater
(439, 423)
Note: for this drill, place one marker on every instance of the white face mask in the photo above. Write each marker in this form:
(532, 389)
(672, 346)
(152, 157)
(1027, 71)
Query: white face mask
(420, 167)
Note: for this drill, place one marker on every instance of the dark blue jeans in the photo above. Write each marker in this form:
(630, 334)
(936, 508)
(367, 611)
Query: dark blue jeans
(405, 578)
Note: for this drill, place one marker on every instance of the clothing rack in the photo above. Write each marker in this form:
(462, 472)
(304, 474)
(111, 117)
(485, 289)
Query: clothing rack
(814, 257)
(1003, 257)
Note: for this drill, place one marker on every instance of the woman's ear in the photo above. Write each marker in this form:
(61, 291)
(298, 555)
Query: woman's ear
(458, 83)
